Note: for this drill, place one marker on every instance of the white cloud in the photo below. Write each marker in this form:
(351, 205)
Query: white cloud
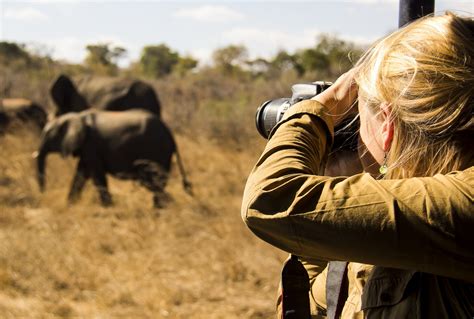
(68, 48)
(25, 14)
(203, 55)
(373, 1)
(210, 13)
(53, 1)
(265, 43)
(73, 49)
(358, 40)
(465, 8)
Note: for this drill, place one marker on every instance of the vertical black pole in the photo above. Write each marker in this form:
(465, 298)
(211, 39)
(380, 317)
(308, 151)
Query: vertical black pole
(413, 9)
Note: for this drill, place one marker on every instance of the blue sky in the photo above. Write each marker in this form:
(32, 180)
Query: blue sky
(64, 27)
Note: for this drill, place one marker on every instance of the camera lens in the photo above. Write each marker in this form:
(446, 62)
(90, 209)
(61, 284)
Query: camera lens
(269, 114)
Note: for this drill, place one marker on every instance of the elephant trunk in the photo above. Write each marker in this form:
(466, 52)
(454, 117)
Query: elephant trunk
(40, 157)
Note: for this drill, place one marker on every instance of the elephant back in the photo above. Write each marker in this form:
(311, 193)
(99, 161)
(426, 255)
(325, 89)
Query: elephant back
(99, 90)
(118, 94)
(22, 109)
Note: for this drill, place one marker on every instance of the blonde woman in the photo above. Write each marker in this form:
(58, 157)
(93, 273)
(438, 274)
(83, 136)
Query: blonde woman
(415, 221)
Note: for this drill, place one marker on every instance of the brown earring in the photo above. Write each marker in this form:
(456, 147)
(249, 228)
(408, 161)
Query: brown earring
(384, 168)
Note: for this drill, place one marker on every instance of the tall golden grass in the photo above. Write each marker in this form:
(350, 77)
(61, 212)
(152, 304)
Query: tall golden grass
(192, 259)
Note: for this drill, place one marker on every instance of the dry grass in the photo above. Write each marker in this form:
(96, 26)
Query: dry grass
(193, 259)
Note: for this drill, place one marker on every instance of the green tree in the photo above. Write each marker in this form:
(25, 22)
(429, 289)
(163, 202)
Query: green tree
(313, 60)
(283, 62)
(230, 59)
(13, 51)
(184, 65)
(102, 57)
(328, 58)
(259, 66)
(340, 54)
(158, 60)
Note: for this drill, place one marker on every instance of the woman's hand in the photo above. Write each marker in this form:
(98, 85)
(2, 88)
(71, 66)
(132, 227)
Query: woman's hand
(340, 98)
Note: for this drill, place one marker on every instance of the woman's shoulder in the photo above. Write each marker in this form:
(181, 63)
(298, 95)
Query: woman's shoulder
(461, 178)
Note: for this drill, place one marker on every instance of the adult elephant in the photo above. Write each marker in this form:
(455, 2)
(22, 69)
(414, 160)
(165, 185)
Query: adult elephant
(113, 94)
(133, 144)
(21, 110)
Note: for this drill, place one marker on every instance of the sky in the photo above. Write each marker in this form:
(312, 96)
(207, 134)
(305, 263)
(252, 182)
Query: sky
(63, 28)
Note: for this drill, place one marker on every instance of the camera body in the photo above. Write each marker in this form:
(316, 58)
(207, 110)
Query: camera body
(270, 113)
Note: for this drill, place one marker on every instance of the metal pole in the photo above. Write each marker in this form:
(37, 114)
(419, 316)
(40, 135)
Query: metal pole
(413, 9)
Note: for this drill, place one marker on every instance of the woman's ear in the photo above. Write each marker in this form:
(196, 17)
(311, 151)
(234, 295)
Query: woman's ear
(387, 126)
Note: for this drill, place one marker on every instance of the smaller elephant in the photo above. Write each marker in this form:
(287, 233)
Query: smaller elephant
(132, 144)
(21, 110)
(103, 93)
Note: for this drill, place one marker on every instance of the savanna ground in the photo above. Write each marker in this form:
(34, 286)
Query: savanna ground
(194, 258)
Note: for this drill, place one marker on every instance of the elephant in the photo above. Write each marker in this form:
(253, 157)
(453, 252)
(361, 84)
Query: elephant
(20, 109)
(112, 94)
(133, 144)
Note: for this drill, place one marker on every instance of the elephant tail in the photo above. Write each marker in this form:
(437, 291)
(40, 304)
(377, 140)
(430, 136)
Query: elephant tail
(186, 184)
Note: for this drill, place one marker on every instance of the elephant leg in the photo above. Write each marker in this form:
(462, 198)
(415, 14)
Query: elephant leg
(100, 181)
(157, 186)
(154, 178)
(78, 182)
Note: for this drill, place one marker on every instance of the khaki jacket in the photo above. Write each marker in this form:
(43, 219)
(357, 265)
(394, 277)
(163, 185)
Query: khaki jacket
(418, 231)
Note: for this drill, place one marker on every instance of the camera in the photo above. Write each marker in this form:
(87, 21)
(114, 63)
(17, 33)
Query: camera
(271, 112)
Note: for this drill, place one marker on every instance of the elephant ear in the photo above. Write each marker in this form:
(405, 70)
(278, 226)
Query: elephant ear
(66, 97)
(146, 96)
(74, 135)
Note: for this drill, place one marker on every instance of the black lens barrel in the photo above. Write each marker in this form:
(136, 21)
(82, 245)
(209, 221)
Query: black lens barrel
(269, 114)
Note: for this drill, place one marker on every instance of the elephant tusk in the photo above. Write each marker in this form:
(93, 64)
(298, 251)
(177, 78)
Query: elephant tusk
(35, 154)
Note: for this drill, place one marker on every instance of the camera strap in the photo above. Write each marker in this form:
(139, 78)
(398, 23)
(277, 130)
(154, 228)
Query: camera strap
(295, 290)
(336, 288)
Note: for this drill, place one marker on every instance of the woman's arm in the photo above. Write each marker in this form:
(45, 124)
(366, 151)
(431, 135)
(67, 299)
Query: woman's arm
(425, 224)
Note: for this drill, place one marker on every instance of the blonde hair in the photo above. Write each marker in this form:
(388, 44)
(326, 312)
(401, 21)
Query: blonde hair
(425, 72)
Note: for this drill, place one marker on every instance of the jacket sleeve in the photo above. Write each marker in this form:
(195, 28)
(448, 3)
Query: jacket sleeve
(424, 224)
